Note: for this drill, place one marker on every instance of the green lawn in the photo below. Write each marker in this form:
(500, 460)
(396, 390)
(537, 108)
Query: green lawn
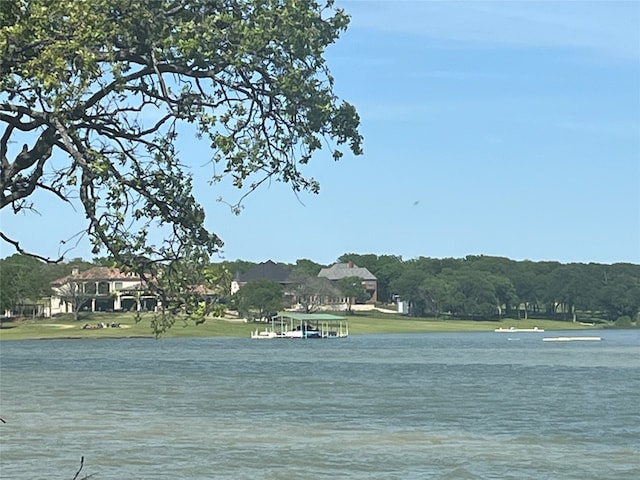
(359, 324)
(400, 324)
(66, 327)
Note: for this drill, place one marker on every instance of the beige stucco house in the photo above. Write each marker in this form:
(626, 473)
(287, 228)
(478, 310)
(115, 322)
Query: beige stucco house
(99, 289)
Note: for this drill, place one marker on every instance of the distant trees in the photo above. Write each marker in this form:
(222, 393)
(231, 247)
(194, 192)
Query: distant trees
(525, 288)
(190, 290)
(620, 295)
(311, 291)
(21, 282)
(494, 287)
(409, 286)
(384, 267)
(259, 299)
(352, 290)
(473, 287)
(306, 266)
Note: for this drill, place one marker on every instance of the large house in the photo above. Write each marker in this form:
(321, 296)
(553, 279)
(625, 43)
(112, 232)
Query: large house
(99, 289)
(268, 270)
(338, 271)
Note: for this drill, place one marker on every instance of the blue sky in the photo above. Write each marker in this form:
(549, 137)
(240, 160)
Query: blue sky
(496, 128)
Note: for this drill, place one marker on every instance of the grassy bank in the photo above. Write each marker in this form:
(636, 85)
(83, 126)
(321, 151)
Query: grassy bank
(359, 324)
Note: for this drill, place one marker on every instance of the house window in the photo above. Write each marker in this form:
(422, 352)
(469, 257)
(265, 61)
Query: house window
(103, 288)
(117, 285)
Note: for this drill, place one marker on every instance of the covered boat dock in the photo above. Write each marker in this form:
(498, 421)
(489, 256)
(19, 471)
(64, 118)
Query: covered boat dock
(304, 325)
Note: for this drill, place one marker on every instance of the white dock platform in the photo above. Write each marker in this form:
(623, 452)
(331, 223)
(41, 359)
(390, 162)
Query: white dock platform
(571, 339)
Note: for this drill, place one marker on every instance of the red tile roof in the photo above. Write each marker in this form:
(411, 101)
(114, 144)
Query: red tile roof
(98, 274)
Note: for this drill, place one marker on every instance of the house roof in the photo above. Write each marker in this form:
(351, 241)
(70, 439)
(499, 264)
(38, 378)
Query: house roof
(97, 274)
(268, 270)
(310, 316)
(344, 270)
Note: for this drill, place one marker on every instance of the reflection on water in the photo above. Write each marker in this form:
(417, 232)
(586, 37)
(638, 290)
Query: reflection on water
(367, 407)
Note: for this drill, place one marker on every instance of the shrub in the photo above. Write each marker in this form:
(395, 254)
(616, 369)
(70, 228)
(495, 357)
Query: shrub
(624, 321)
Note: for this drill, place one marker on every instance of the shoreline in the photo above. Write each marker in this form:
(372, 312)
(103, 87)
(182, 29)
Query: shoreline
(214, 327)
(153, 337)
(110, 337)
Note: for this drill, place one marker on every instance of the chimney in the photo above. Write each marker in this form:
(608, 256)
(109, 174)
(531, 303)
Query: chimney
(350, 264)
(74, 271)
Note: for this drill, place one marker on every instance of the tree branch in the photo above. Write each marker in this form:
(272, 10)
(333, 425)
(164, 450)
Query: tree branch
(19, 249)
(10, 178)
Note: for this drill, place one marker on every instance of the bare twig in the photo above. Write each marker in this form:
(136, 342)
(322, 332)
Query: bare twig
(80, 469)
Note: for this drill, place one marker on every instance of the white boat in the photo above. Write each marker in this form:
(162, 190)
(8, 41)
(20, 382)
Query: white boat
(293, 334)
(517, 330)
(264, 334)
(571, 339)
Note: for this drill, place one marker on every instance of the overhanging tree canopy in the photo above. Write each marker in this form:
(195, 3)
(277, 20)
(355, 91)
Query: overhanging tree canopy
(102, 86)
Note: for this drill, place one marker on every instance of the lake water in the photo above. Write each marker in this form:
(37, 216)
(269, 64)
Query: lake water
(422, 406)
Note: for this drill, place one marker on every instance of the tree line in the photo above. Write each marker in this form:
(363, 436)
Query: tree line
(494, 287)
(481, 287)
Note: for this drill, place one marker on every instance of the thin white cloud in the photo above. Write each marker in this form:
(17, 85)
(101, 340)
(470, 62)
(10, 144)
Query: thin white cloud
(630, 130)
(455, 75)
(611, 28)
